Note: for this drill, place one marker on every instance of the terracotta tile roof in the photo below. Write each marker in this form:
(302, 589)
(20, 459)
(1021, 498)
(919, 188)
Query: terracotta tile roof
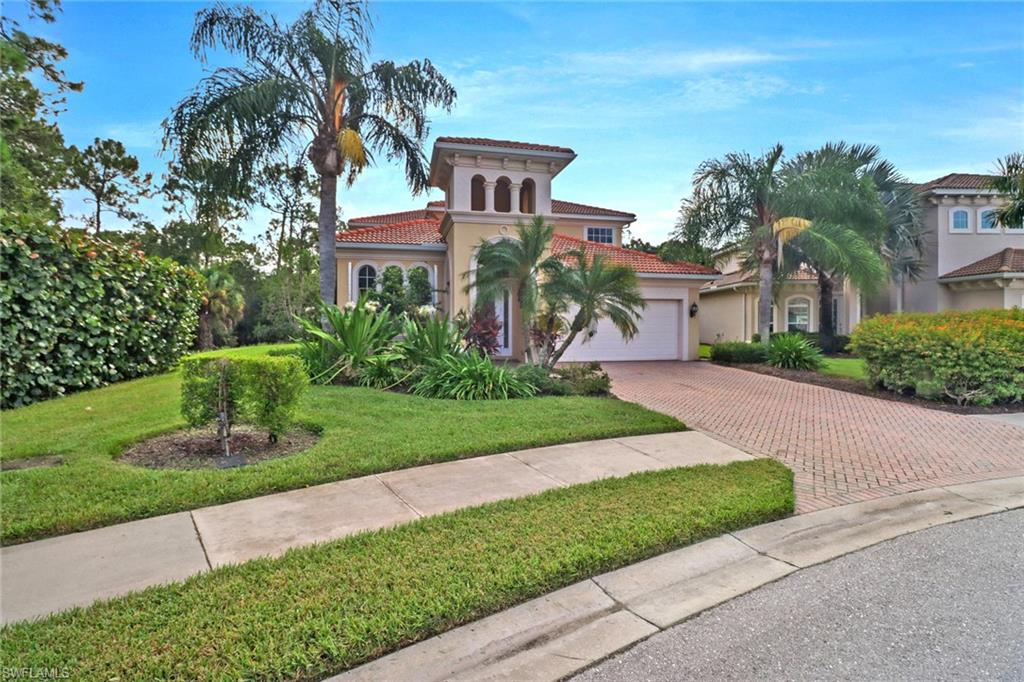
(638, 260)
(741, 277)
(572, 208)
(509, 144)
(416, 231)
(1007, 260)
(957, 181)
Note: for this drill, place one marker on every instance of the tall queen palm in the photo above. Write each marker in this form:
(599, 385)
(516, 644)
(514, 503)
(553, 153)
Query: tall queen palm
(308, 83)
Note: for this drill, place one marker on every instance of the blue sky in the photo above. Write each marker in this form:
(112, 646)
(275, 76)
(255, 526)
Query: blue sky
(642, 92)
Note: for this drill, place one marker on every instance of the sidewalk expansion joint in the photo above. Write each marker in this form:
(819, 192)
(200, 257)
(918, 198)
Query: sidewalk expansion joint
(199, 536)
(765, 554)
(997, 507)
(622, 606)
(401, 499)
(560, 483)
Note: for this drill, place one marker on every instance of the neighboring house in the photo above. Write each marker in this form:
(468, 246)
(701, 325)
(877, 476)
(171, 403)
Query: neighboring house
(969, 263)
(489, 185)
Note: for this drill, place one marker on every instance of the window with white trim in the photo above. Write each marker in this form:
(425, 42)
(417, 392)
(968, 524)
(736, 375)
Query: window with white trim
(601, 235)
(987, 221)
(367, 278)
(959, 220)
(798, 315)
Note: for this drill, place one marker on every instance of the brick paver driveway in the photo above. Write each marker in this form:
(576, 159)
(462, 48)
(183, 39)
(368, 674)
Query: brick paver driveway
(842, 447)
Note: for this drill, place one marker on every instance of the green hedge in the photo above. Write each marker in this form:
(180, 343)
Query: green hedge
(79, 312)
(738, 351)
(972, 357)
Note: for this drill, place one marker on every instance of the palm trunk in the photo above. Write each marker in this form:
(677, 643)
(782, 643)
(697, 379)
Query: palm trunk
(899, 293)
(557, 355)
(205, 335)
(826, 324)
(327, 227)
(764, 301)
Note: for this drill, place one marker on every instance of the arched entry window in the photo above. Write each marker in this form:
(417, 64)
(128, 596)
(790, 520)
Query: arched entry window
(798, 314)
(476, 193)
(503, 196)
(367, 278)
(528, 197)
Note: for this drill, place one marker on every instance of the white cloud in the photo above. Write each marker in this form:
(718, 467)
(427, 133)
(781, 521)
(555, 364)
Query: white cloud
(136, 134)
(648, 63)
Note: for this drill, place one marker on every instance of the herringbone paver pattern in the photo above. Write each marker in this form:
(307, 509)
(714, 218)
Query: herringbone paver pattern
(842, 447)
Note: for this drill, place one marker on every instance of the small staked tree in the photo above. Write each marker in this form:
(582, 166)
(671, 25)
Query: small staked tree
(598, 290)
(307, 83)
(518, 266)
(111, 178)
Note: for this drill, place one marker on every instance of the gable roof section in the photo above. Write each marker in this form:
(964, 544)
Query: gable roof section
(412, 232)
(572, 208)
(738, 277)
(644, 263)
(971, 181)
(506, 144)
(1008, 262)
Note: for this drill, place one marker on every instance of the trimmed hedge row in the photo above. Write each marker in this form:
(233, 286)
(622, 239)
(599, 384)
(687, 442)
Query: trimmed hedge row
(972, 357)
(738, 351)
(79, 312)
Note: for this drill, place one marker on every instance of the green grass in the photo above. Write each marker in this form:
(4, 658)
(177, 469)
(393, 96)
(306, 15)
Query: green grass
(364, 431)
(323, 609)
(849, 368)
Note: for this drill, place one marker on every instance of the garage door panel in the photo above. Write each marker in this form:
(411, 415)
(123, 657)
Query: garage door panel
(657, 339)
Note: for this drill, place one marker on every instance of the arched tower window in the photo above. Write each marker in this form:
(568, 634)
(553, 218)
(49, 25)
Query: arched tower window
(503, 196)
(528, 197)
(476, 193)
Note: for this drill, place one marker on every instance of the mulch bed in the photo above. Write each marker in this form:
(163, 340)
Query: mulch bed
(855, 386)
(200, 449)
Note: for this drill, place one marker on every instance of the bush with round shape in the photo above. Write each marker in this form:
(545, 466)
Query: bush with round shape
(738, 352)
(585, 379)
(794, 351)
(542, 379)
(80, 312)
(470, 376)
(973, 357)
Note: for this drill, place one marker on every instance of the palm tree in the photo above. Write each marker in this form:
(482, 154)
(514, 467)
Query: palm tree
(310, 81)
(835, 188)
(1009, 182)
(738, 199)
(598, 290)
(515, 265)
(222, 307)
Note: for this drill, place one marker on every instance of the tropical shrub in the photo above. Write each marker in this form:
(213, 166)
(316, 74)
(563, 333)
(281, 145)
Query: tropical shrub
(470, 376)
(357, 332)
(543, 379)
(392, 289)
(384, 371)
(79, 312)
(417, 289)
(482, 330)
(738, 351)
(264, 391)
(974, 357)
(585, 379)
(841, 341)
(794, 351)
(430, 337)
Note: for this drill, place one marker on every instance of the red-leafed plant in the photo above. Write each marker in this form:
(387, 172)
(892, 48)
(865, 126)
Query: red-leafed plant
(483, 330)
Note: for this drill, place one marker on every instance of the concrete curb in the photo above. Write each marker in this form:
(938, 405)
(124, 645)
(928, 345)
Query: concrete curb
(561, 633)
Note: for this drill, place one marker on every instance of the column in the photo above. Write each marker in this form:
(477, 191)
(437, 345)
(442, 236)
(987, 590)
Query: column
(489, 196)
(514, 190)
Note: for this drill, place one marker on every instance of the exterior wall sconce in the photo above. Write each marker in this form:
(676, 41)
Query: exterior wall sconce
(694, 308)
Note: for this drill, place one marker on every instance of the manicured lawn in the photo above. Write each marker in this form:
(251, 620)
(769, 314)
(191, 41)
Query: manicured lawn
(363, 431)
(323, 609)
(850, 368)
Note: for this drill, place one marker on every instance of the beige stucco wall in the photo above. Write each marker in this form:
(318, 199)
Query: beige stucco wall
(726, 315)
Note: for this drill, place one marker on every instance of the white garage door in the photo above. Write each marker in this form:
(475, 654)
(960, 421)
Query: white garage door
(658, 338)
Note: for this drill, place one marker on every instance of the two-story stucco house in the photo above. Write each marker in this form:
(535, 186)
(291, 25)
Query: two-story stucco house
(970, 262)
(489, 185)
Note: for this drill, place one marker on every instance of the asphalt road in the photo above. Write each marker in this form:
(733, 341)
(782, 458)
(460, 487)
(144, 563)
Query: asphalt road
(942, 604)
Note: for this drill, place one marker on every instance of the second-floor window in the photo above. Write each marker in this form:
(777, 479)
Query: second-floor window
(960, 220)
(987, 221)
(601, 235)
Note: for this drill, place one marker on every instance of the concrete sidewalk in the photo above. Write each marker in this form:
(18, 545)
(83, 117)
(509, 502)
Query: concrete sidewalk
(554, 636)
(41, 577)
